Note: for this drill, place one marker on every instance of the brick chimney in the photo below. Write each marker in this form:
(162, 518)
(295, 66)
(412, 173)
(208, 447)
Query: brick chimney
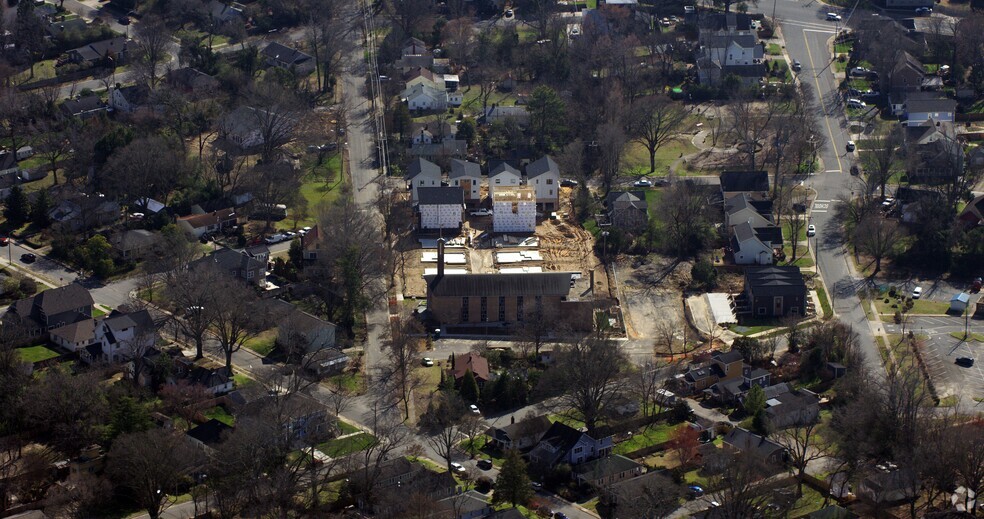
(440, 258)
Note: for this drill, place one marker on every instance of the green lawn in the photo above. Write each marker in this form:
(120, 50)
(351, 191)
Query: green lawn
(809, 502)
(921, 306)
(96, 313)
(780, 64)
(221, 414)
(974, 336)
(803, 258)
(321, 185)
(843, 48)
(774, 49)
(652, 199)
(646, 438)
(263, 343)
(348, 445)
(787, 232)
(754, 326)
(840, 66)
(42, 70)
(694, 478)
(636, 156)
(34, 354)
(352, 382)
(828, 311)
(241, 380)
(347, 428)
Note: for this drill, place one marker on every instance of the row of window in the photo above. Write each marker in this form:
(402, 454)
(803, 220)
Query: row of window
(484, 308)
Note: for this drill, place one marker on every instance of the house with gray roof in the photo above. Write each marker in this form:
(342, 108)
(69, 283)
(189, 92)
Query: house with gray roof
(773, 292)
(565, 444)
(112, 51)
(791, 408)
(502, 174)
(628, 210)
(729, 54)
(754, 184)
(921, 107)
(468, 176)
(755, 245)
(441, 207)
(742, 207)
(520, 435)
(743, 440)
(83, 107)
(238, 264)
(467, 505)
(421, 173)
(281, 56)
(134, 244)
(603, 472)
(50, 309)
(301, 331)
(543, 175)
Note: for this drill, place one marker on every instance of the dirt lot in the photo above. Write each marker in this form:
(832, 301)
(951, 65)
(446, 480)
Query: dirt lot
(652, 293)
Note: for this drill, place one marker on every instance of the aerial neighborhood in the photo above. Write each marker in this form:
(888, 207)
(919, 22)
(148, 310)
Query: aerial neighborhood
(491, 259)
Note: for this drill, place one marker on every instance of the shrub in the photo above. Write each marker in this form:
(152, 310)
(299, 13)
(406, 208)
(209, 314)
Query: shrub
(27, 286)
(897, 317)
(484, 484)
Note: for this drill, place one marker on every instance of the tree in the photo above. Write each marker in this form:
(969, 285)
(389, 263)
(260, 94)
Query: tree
(546, 110)
(273, 184)
(738, 479)
(329, 35)
(398, 373)
(805, 444)
(153, 39)
(877, 237)
(191, 291)
(589, 375)
(882, 159)
(40, 208)
(16, 209)
(682, 215)
(444, 420)
(685, 443)
(537, 13)
(512, 485)
(69, 410)
(646, 382)
(536, 327)
(469, 388)
(29, 33)
(754, 400)
(54, 145)
(151, 465)
(750, 122)
(147, 167)
(237, 315)
(657, 121)
(95, 256)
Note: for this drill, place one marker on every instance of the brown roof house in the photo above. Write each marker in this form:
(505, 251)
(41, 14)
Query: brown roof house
(742, 440)
(520, 435)
(134, 244)
(50, 309)
(199, 224)
(473, 362)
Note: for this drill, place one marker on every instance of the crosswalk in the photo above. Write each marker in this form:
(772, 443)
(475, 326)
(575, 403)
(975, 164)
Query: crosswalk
(822, 206)
(810, 26)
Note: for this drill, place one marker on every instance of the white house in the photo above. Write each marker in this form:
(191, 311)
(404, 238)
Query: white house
(754, 246)
(544, 176)
(129, 98)
(503, 175)
(921, 107)
(519, 114)
(514, 209)
(441, 207)
(114, 338)
(467, 176)
(422, 173)
(422, 96)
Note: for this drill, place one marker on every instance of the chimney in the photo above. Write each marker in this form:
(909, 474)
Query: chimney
(440, 258)
(592, 280)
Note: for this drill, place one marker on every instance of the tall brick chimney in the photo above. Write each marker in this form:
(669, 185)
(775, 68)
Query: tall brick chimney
(440, 258)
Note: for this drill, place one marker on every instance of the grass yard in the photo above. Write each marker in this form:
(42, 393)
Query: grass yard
(565, 419)
(42, 70)
(840, 66)
(636, 157)
(843, 48)
(241, 380)
(647, 438)
(34, 354)
(920, 307)
(342, 446)
(347, 428)
(652, 198)
(803, 258)
(352, 382)
(221, 414)
(811, 501)
(787, 232)
(754, 326)
(97, 313)
(321, 185)
(773, 48)
(974, 336)
(264, 343)
(828, 310)
(694, 478)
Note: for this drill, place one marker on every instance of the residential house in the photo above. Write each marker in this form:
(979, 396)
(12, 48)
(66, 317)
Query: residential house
(148, 205)
(604, 472)
(130, 98)
(8, 164)
(305, 420)
(520, 435)
(119, 336)
(628, 210)
(634, 497)
(565, 444)
(448, 147)
(84, 212)
(832, 512)
(722, 24)
(249, 127)
(468, 176)
(281, 56)
(518, 114)
(239, 264)
(45, 12)
(461, 365)
(134, 244)
(743, 440)
(209, 435)
(415, 47)
(418, 482)
(301, 330)
(755, 245)
(742, 207)
(921, 107)
(754, 184)
(543, 175)
(773, 292)
(501, 174)
(326, 362)
(312, 244)
(734, 389)
(423, 76)
(421, 173)
(425, 97)
(483, 298)
(890, 484)
(190, 80)
(74, 336)
(111, 51)
(913, 202)
(467, 505)
(907, 76)
(221, 13)
(973, 214)
(513, 208)
(214, 378)
(441, 207)
(791, 408)
(91, 460)
(83, 107)
(729, 47)
(7, 182)
(57, 28)
(722, 366)
(206, 223)
(50, 309)
(933, 152)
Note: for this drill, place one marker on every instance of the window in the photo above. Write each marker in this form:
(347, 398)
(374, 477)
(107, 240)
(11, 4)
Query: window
(550, 192)
(502, 309)
(422, 182)
(519, 308)
(498, 181)
(549, 181)
(464, 309)
(577, 450)
(761, 311)
(485, 310)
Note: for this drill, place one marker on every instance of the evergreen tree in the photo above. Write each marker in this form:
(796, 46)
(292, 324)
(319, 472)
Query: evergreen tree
(40, 208)
(16, 211)
(469, 388)
(128, 416)
(754, 400)
(513, 483)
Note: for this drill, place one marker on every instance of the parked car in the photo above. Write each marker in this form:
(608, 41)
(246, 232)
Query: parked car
(859, 71)
(921, 11)
(855, 170)
(643, 182)
(275, 238)
(811, 230)
(474, 409)
(851, 146)
(917, 292)
(965, 362)
(4, 241)
(560, 515)
(833, 17)
(485, 464)
(695, 491)
(509, 13)
(28, 257)
(481, 212)
(457, 467)
(427, 361)
(568, 182)
(856, 103)
(124, 20)
(797, 66)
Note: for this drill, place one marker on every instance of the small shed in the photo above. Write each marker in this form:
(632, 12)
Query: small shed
(959, 302)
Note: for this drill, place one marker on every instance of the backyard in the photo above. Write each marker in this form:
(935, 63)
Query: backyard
(38, 353)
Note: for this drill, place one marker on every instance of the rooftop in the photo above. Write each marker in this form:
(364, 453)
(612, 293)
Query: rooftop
(441, 195)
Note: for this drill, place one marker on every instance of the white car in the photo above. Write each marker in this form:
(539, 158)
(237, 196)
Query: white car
(457, 467)
(481, 212)
(856, 103)
(833, 17)
(811, 230)
(917, 292)
(474, 409)
(643, 182)
(859, 71)
(851, 146)
(427, 361)
(275, 238)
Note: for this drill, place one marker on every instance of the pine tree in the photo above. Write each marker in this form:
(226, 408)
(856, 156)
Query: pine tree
(513, 483)
(469, 388)
(17, 207)
(40, 208)
(754, 400)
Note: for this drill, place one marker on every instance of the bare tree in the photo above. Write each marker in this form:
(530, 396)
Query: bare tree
(797, 221)
(191, 291)
(535, 330)
(390, 434)
(805, 443)
(236, 316)
(656, 121)
(276, 114)
(399, 373)
(882, 159)
(444, 420)
(750, 122)
(150, 465)
(877, 237)
(738, 478)
(328, 34)
(590, 376)
(153, 39)
(53, 147)
(645, 384)
(682, 211)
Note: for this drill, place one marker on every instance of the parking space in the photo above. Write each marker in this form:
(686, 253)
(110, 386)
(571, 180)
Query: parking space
(942, 351)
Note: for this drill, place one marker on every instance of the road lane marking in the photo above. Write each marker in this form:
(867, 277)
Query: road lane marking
(823, 105)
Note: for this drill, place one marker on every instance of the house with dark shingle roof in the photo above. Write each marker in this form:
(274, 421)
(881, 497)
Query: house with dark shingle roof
(742, 440)
(921, 107)
(120, 336)
(753, 183)
(467, 505)
(773, 292)
(282, 56)
(215, 221)
(134, 244)
(755, 245)
(468, 176)
(520, 435)
(478, 365)
(603, 472)
(543, 175)
(239, 264)
(50, 309)
(565, 444)
(791, 408)
(209, 434)
(307, 332)
(722, 366)
(83, 107)
(441, 207)
(628, 209)
(742, 207)
(113, 49)
(421, 173)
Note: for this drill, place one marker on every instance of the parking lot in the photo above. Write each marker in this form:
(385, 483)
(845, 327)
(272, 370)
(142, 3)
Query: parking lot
(942, 350)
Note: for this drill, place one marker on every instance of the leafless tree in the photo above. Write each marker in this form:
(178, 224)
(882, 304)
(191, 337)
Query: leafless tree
(656, 121)
(78, 498)
(191, 292)
(53, 147)
(147, 167)
(535, 330)
(185, 399)
(69, 409)
(646, 381)
(796, 221)
(682, 211)
(444, 420)
(659, 497)
(537, 13)
(151, 465)
(664, 337)
(877, 237)
(236, 316)
(277, 115)
(153, 39)
(459, 37)
(398, 374)
(390, 435)
(589, 376)
(409, 15)
(275, 184)
(611, 147)
(805, 443)
(882, 159)
(750, 124)
(738, 478)
(328, 34)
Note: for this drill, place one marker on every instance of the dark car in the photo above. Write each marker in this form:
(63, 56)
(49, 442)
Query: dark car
(560, 515)
(124, 20)
(568, 182)
(965, 362)
(695, 491)
(28, 258)
(485, 464)
(4, 241)
(797, 66)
